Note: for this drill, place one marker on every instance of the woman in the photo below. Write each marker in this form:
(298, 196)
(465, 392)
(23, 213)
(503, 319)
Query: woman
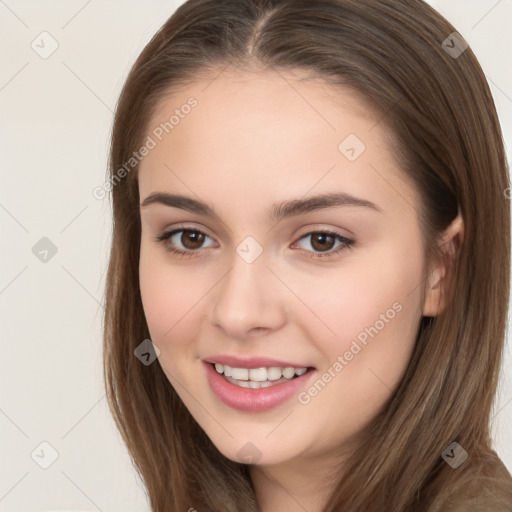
(307, 196)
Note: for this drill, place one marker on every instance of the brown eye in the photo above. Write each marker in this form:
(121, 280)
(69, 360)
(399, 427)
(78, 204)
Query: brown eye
(185, 241)
(323, 244)
(192, 239)
(322, 241)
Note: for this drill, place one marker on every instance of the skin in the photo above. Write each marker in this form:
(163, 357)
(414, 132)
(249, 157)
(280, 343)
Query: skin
(256, 139)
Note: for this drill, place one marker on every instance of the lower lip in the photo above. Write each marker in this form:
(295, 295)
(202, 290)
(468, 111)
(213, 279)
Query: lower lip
(254, 400)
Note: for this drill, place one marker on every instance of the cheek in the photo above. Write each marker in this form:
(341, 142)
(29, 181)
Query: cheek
(356, 294)
(374, 312)
(368, 309)
(170, 297)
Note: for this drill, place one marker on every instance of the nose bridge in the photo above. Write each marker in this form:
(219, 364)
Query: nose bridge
(246, 298)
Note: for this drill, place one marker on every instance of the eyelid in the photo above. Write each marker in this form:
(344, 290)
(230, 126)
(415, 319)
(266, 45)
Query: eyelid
(166, 232)
(324, 228)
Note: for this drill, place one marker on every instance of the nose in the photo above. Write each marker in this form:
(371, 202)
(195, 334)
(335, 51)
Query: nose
(249, 300)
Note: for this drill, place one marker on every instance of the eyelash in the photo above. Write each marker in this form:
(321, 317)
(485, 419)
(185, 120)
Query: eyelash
(346, 243)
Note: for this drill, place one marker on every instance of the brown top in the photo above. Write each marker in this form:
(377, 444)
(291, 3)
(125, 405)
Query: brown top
(485, 486)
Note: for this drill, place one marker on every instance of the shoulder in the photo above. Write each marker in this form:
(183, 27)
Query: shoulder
(484, 486)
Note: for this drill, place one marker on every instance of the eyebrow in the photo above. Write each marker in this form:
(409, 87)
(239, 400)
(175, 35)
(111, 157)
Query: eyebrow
(277, 211)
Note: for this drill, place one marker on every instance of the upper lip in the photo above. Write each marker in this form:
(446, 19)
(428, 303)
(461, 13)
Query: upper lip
(251, 362)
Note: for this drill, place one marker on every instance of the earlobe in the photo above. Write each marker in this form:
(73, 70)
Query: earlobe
(433, 304)
(435, 288)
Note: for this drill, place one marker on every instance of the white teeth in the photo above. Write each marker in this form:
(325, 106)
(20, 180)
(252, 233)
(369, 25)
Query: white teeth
(289, 372)
(239, 373)
(258, 374)
(273, 373)
(258, 377)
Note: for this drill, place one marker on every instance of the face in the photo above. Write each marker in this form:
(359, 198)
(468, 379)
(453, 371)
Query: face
(278, 231)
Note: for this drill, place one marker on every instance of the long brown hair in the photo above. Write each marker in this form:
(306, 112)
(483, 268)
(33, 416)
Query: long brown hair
(438, 105)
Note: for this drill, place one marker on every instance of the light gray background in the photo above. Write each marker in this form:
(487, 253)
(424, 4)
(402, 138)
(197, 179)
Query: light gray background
(55, 119)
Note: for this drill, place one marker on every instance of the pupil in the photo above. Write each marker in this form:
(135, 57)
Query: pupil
(192, 239)
(322, 242)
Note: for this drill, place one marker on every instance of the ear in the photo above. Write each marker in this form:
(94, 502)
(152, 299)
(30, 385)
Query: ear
(435, 294)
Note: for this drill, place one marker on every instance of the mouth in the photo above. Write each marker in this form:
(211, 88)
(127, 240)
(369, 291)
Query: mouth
(262, 377)
(256, 388)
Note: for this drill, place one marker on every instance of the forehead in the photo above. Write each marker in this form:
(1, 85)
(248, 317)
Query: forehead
(249, 95)
(251, 132)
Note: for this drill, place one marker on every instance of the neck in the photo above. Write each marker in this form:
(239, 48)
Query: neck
(295, 485)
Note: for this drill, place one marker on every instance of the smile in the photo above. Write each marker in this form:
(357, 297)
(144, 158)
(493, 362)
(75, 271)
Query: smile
(256, 389)
(256, 378)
